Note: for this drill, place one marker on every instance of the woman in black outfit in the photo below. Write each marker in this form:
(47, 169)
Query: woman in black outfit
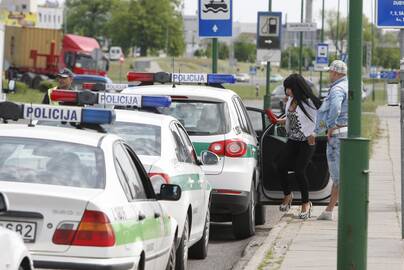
(300, 121)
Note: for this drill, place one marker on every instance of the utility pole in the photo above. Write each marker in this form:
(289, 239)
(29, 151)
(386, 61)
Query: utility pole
(301, 40)
(214, 55)
(267, 97)
(354, 163)
(322, 41)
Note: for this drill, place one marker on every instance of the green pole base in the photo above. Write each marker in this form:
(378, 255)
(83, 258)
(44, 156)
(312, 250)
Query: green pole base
(353, 204)
(267, 101)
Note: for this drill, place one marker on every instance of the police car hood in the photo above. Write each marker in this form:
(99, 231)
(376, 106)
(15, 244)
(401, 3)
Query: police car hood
(47, 206)
(148, 161)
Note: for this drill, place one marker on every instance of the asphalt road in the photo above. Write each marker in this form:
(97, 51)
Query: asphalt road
(225, 252)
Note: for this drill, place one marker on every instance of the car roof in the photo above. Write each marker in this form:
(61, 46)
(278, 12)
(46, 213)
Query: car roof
(195, 91)
(52, 133)
(143, 117)
(91, 78)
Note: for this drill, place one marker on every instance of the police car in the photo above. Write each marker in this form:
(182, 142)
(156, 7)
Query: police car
(14, 254)
(79, 199)
(216, 120)
(168, 156)
(245, 178)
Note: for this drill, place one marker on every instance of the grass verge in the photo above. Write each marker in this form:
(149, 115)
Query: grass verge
(25, 95)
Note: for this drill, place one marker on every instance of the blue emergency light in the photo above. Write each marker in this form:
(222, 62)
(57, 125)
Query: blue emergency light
(14, 111)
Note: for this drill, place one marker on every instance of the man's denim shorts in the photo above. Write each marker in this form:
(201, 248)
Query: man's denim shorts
(333, 156)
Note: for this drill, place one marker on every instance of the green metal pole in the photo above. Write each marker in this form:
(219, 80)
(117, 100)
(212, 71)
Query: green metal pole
(373, 4)
(337, 34)
(301, 41)
(214, 55)
(354, 164)
(267, 97)
(322, 41)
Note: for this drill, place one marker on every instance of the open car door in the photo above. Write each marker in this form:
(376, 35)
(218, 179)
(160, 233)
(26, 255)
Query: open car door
(273, 138)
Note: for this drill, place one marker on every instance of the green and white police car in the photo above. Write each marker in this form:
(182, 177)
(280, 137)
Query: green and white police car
(245, 179)
(79, 199)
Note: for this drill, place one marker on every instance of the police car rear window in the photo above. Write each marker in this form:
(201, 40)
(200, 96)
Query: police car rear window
(143, 138)
(49, 162)
(200, 117)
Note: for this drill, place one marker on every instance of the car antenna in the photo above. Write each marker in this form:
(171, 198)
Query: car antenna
(30, 119)
(173, 71)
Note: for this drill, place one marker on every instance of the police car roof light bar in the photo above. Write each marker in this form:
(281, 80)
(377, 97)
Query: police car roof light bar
(110, 87)
(13, 111)
(91, 98)
(140, 76)
(221, 78)
(182, 78)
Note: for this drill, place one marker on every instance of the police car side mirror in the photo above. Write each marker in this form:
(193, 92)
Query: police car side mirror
(169, 192)
(209, 158)
(3, 203)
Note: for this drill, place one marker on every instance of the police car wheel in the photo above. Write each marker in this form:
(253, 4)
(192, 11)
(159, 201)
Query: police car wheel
(182, 250)
(200, 249)
(171, 259)
(244, 224)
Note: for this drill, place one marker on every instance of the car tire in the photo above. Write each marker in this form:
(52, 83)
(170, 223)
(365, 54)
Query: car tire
(182, 250)
(260, 215)
(171, 258)
(200, 249)
(244, 223)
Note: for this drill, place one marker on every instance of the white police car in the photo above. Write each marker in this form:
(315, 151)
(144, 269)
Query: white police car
(216, 120)
(167, 153)
(246, 177)
(81, 200)
(14, 254)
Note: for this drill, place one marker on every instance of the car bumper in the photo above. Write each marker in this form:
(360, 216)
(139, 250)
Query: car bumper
(228, 204)
(60, 262)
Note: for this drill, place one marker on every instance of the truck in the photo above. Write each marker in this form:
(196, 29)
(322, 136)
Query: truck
(35, 54)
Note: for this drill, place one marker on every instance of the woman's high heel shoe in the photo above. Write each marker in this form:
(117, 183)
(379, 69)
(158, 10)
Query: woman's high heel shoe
(286, 207)
(307, 213)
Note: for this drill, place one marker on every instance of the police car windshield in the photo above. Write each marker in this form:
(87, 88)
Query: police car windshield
(199, 117)
(48, 162)
(143, 138)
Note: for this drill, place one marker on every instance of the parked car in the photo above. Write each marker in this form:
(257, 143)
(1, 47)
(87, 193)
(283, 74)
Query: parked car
(78, 80)
(276, 78)
(242, 77)
(14, 254)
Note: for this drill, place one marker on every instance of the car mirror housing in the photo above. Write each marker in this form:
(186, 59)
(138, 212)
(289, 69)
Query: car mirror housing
(3, 203)
(209, 158)
(169, 192)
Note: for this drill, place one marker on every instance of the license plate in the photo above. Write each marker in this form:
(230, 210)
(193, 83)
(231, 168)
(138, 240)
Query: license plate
(27, 230)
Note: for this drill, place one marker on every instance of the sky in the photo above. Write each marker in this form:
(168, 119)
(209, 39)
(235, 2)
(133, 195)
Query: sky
(246, 10)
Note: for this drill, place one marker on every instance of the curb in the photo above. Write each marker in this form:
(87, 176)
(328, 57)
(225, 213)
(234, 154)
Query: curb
(269, 242)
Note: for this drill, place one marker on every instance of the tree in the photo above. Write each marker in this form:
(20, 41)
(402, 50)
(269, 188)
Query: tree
(223, 51)
(244, 50)
(290, 57)
(88, 17)
(331, 26)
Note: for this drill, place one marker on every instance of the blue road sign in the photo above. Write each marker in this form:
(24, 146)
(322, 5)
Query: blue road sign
(215, 18)
(388, 75)
(253, 70)
(373, 72)
(322, 54)
(390, 13)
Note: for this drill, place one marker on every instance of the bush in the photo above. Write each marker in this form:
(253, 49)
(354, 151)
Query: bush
(45, 85)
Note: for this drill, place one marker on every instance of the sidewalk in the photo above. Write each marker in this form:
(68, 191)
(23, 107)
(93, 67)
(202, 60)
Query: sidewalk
(312, 244)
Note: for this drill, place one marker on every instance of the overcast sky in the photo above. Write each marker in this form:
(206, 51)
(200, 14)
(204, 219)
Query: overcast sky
(246, 10)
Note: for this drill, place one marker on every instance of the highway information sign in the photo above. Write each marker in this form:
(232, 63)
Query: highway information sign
(215, 18)
(390, 13)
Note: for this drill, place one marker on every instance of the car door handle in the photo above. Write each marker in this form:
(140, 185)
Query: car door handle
(141, 216)
(157, 215)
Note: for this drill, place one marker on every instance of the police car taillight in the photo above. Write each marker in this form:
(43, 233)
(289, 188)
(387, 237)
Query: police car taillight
(229, 148)
(94, 230)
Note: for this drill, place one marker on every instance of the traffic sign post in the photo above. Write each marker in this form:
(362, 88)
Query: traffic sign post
(390, 14)
(215, 20)
(321, 57)
(269, 44)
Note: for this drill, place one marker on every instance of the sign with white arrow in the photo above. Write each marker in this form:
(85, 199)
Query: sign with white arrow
(269, 37)
(215, 18)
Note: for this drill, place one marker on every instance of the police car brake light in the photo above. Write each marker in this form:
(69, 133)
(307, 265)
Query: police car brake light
(13, 111)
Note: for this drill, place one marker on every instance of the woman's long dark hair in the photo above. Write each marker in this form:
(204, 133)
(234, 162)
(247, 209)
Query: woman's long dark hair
(301, 92)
